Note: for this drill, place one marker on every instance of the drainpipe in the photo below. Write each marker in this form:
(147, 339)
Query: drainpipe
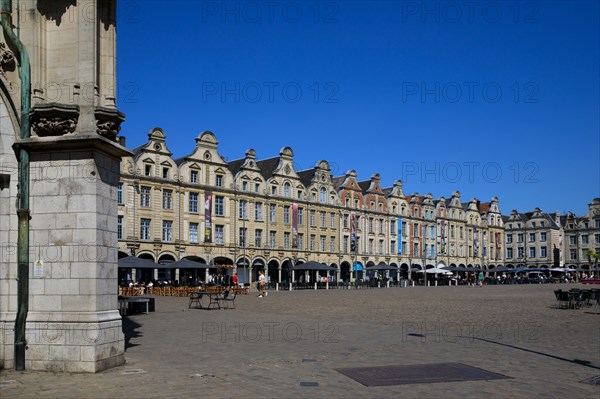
(23, 189)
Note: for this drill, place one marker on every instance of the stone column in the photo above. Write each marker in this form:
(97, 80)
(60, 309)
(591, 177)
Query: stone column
(73, 323)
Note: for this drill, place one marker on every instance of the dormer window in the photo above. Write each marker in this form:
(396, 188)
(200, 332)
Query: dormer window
(286, 190)
(244, 186)
(165, 173)
(194, 176)
(219, 181)
(273, 190)
(148, 170)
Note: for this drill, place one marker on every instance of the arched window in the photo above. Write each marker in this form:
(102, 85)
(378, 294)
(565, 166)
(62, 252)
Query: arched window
(286, 190)
(323, 195)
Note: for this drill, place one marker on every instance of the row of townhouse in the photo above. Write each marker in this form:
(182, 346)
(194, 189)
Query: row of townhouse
(538, 239)
(252, 215)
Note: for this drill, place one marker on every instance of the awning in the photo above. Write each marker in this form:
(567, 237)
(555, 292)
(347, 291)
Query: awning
(312, 265)
(137, 263)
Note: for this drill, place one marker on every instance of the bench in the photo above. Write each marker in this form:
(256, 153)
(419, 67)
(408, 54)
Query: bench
(229, 299)
(124, 303)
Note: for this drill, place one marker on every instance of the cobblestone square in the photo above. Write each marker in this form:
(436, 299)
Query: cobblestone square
(288, 345)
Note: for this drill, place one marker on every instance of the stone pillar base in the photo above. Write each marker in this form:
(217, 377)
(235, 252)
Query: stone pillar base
(85, 346)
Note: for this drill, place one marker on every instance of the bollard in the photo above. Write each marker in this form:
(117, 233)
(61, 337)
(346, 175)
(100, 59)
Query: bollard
(327, 285)
(290, 286)
(276, 286)
(388, 284)
(315, 286)
(436, 283)
(413, 283)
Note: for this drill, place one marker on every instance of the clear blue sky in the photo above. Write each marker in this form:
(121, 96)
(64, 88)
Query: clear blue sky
(491, 98)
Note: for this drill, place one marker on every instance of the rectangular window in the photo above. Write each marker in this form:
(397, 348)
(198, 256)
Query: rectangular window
(148, 170)
(312, 242)
(532, 252)
(257, 211)
(244, 186)
(509, 253)
(167, 199)
(393, 228)
(219, 205)
(520, 237)
(322, 243)
(312, 218)
(415, 230)
(543, 252)
(542, 237)
(120, 194)
(167, 231)
(381, 247)
(272, 239)
(243, 209)
(531, 237)
(345, 242)
(509, 239)
(145, 229)
(520, 253)
(381, 224)
(332, 220)
(572, 240)
(165, 173)
(286, 214)
(573, 254)
(219, 236)
(194, 176)
(345, 221)
(258, 238)
(273, 190)
(392, 247)
(273, 213)
(145, 196)
(193, 233)
(584, 239)
(256, 188)
(370, 225)
(300, 240)
(219, 181)
(300, 216)
(120, 227)
(323, 221)
(596, 238)
(286, 240)
(194, 202)
(242, 237)
(332, 244)
(370, 246)
(404, 232)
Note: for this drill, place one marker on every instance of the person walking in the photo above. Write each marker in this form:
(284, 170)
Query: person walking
(262, 282)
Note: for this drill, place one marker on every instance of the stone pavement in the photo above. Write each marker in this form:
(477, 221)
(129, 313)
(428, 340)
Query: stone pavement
(288, 345)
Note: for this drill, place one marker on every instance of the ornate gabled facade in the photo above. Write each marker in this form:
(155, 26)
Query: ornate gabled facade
(255, 214)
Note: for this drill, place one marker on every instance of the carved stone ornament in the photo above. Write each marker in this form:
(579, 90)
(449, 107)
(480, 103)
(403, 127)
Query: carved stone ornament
(53, 119)
(108, 122)
(6, 57)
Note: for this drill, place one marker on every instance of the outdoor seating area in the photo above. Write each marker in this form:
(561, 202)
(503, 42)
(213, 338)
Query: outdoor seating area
(577, 298)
